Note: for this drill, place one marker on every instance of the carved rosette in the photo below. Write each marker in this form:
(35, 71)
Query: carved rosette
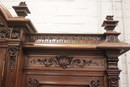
(95, 83)
(33, 82)
(13, 53)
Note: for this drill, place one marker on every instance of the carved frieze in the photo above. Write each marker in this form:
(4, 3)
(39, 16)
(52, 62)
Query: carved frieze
(65, 39)
(13, 53)
(64, 62)
(33, 82)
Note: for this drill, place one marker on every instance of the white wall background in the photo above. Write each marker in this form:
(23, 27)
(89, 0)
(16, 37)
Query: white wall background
(80, 16)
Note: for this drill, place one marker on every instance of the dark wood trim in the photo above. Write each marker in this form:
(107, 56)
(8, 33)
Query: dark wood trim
(31, 59)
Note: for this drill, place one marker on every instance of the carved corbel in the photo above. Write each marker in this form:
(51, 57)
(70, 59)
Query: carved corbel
(112, 70)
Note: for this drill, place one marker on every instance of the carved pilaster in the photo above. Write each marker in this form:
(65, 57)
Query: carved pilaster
(112, 62)
(12, 64)
(13, 53)
(112, 70)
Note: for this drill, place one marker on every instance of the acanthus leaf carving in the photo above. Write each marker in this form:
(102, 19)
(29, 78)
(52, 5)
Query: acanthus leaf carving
(65, 62)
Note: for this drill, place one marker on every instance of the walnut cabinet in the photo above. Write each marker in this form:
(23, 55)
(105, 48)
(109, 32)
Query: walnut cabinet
(31, 59)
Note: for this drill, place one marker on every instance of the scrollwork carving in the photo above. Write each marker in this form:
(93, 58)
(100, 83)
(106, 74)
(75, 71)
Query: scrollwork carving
(33, 82)
(65, 62)
(13, 52)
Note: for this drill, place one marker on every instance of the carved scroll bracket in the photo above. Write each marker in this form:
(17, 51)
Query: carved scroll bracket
(112, 70)
(13, 53)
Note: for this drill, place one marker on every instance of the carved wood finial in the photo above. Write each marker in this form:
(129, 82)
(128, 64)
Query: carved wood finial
(21, 10)
(109, 17)
(109, 24)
